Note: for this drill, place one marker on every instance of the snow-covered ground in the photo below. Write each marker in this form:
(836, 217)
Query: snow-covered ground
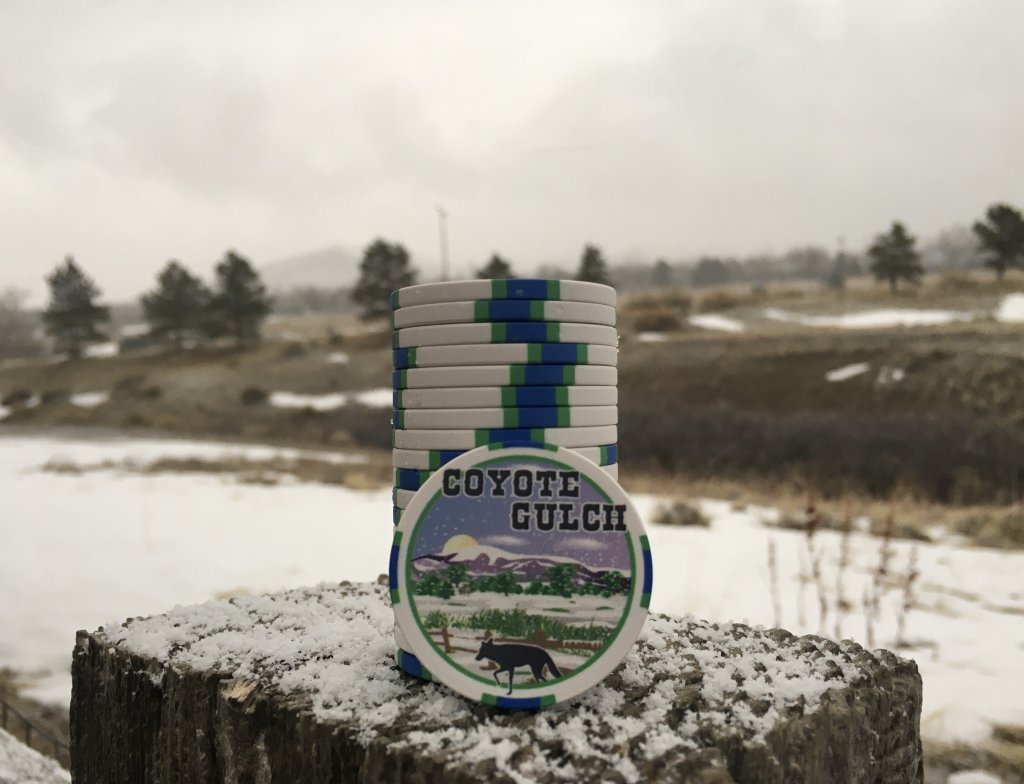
(716, 321)
(374, 398)
(79, 551)
(966, 624)
(847, 372)
(21, 765)
(872, 319)
(89, 399)
(102, 350)
(1011, 309)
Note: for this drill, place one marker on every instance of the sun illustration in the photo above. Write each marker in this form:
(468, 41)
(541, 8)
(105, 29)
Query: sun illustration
(458, 542)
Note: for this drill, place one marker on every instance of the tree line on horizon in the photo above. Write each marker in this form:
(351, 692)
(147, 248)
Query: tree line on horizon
(182, 308)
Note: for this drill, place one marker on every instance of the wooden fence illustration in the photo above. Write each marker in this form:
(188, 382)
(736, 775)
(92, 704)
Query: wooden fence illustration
(539, 638)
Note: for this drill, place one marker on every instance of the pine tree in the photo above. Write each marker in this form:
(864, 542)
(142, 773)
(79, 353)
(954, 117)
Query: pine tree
(593, 267)
(385, 268)
(1002, 236)
(711, 272)
(240, 303)
(72, 315)
(661, 274)
(894, 257)
(496, 268)
(178, 306)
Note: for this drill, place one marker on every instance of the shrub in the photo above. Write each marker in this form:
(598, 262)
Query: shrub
(994, 529)
(252, 396)
(657, 319)
(956, 281)
(835, 452)
(52, 396)
(334, 338)
(131, 381)
(680, 513)
(677, 300)
(16, 398)
(720, 300)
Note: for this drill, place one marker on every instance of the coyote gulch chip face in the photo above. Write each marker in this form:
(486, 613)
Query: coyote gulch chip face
(520, 576)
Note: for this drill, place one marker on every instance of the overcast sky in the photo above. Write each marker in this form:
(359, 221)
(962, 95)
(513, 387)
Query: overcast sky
(132, 132)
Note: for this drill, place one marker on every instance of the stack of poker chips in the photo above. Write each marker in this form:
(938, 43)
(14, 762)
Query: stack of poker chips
(500, 362)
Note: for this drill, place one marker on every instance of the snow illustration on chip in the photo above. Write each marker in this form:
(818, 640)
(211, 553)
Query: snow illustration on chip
(524, 589)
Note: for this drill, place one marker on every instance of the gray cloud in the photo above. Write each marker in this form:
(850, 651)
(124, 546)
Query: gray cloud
(130, 133)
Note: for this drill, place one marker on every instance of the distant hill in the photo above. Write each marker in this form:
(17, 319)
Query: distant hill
(333, 267)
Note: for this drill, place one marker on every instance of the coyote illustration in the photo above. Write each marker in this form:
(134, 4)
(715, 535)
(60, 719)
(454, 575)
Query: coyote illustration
(512, 655)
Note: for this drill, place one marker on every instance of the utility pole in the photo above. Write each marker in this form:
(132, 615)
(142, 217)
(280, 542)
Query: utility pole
(442, 228)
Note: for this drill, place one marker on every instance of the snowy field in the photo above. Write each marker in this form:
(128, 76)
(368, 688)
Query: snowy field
(873, 319)
(21, 765)
(79, 551)
(1009, 311)
(965, 628)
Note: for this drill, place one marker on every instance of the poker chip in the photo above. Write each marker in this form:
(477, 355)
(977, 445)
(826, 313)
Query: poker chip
(432, 459)
(504, 332)
(505, 376)
(505, 354)
(516, 381)
(468, 439)
(532, 417)
(410, 665)
(505, 397)
(498, 310)
(519, 577)
(468, 290)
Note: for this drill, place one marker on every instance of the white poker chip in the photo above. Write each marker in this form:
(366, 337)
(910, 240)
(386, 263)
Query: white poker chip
(505, 397)
(400, 639)
(505, 375)
(465, 290)
(455, 418)
(432, 459)
(401, 496)
(520, 577)
(494, 310)
(505, 332)
(505, 354)
(468, 439)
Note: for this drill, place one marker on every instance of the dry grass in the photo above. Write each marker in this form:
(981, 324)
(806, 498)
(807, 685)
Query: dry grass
(985, 526)
(953, 289)
(371, 475)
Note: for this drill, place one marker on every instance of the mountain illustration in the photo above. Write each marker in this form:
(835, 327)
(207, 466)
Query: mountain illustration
(482, 560)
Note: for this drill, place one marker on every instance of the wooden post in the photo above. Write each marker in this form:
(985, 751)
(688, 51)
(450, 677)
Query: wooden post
(155, 712)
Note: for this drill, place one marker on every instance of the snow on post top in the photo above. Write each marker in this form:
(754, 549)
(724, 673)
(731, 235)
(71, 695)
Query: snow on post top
(685, 686)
